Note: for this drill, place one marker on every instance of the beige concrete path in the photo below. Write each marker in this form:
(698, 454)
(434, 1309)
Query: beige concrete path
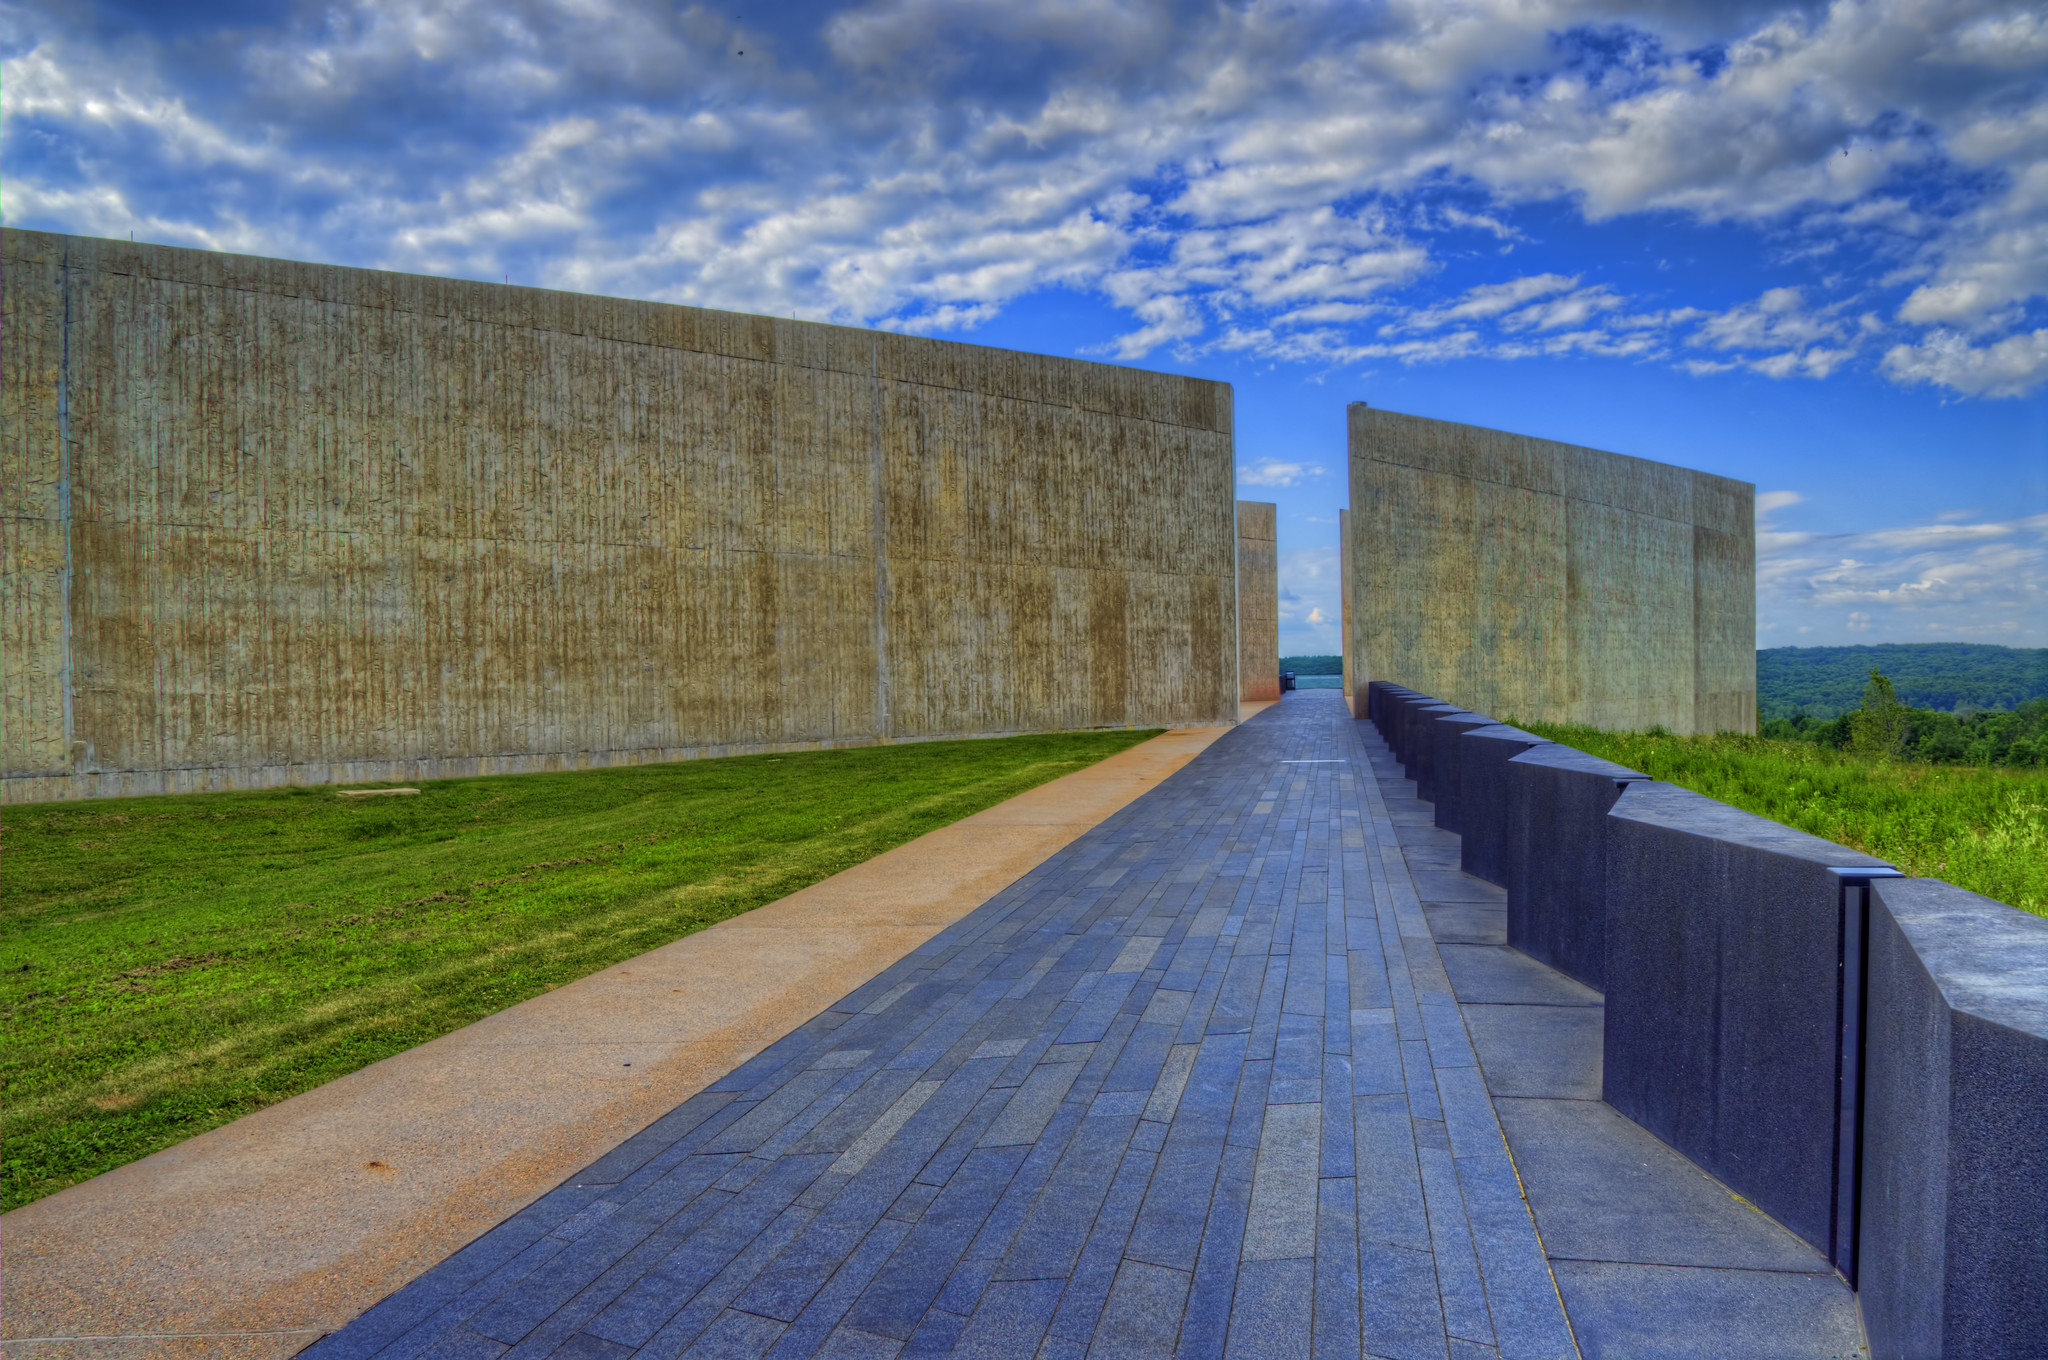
(255, 1238)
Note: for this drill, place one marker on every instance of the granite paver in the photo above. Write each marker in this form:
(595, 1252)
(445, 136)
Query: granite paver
(1655, 1259)
(1198, 1085)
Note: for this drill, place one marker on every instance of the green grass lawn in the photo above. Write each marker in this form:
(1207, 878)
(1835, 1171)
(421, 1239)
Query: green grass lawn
(1985, 829)
(172, 963)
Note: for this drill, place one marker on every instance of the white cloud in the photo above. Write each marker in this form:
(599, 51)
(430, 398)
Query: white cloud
(1281, 180)
(1273, 472)
(1573, 309)
(1799, 341)
(1310, 602)
(1776, 335)
(1491, 300)
(1436, 349)
(1962, 575)
(1776, 319)
(1773, 543)
(1499, 230)
(1940, 535)
(1295, 264)
(2011, 367)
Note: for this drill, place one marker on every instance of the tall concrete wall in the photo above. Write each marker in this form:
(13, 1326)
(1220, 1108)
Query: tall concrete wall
(1258, 601)
(1533, 580)
(272, 522)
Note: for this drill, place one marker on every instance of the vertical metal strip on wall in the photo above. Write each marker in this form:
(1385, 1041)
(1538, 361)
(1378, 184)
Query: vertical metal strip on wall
(1852, 1013)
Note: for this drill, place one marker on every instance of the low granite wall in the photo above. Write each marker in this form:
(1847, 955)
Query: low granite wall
(1449, 786)
(1394, 703)
(1862, 1055)
(1726, 1000)
(1556, 855)
(1424, 719)
(1483, 812)
(1954, 1256)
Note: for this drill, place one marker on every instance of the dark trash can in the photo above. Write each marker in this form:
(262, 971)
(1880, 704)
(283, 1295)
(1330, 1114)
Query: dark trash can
(1286, 681)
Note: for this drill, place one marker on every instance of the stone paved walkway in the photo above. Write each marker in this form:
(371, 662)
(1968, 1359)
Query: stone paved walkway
(1197, 1086)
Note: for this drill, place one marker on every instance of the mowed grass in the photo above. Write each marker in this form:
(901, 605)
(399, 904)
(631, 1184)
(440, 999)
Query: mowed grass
(173, 963)
(1981, 828)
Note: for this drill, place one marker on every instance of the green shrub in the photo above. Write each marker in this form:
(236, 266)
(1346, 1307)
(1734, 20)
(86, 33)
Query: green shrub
(2016, 738)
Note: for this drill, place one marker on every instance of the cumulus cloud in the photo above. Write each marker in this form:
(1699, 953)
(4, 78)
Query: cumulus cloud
(1491, 300)
(1773, 543)
(1955, 573)
(2010, 367)
(1310, 602)
(1285, 181)
(1776, 335)
(1273, 472)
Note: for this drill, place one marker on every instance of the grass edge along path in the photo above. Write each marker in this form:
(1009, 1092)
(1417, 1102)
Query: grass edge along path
(169, 964)
(1980, 828)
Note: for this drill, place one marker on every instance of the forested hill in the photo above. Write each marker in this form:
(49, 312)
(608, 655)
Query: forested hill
(1824, 681)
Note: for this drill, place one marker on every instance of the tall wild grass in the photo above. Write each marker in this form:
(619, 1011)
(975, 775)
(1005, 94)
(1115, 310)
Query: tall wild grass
(1985, 829)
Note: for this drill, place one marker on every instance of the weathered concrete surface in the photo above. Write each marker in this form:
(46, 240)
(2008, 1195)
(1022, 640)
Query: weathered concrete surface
(1353, 689)
(1546, 582)
(252, 1239)
(269, 522)
(1258, 601)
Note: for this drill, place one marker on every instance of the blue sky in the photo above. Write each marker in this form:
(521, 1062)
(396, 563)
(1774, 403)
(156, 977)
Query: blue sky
(1802, 245)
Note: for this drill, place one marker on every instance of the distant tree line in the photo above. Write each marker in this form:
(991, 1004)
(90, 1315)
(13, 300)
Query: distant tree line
(1883, 726)
(1950, 703)
(1959, 678)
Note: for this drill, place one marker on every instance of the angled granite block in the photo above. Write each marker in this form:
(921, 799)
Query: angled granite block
(1447, 787)
(1422, 742)
(1412, 728)
(1394, 701)
(1483, 754)
(1954, 1258)
(1399, 703)
(1376, 692)
(1724, 950)
(1557, 804)
(1420, 760)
